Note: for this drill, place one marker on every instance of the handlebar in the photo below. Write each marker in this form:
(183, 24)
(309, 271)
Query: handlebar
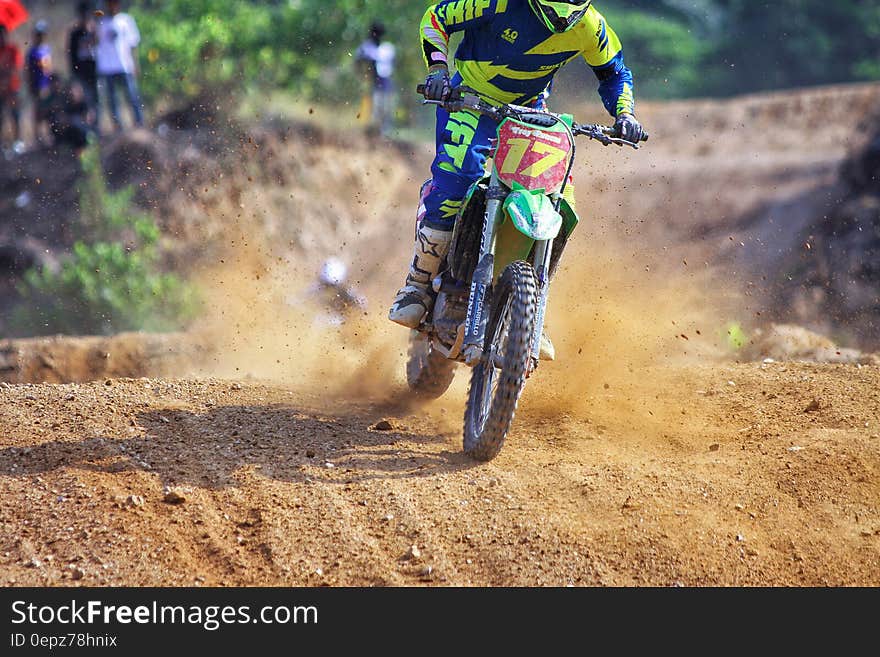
(462, 98)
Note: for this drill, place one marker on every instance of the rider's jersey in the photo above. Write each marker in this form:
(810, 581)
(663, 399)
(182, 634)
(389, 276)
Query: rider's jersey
(508, 55)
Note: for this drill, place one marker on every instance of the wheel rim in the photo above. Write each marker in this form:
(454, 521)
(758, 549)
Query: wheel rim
(492, 364)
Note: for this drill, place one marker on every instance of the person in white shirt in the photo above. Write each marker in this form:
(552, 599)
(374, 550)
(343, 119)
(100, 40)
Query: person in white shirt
(378, 57)
(116, 60)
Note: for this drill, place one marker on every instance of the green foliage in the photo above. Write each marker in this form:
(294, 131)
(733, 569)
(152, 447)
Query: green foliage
(192, 48)
(795, 42)
(214, 48)
(104, 215)
(111, 282)
(663, 51)
(746, 46)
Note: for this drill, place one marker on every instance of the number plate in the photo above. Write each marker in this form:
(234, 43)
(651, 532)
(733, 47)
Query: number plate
(536, 158)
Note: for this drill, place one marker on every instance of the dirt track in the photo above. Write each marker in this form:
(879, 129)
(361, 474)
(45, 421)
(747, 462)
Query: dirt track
(638, 458)
(772, 479)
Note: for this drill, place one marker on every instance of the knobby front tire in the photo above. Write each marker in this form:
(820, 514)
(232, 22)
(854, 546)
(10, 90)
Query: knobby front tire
(498, 379)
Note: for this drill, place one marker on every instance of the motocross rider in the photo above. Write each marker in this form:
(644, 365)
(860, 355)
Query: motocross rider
(510, 51)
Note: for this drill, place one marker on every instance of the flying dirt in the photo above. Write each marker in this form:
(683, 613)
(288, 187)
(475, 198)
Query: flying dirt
(264, 448)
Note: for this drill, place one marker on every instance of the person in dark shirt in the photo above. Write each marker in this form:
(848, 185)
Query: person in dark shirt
(67, 113)
(39, 69)
(81, 53)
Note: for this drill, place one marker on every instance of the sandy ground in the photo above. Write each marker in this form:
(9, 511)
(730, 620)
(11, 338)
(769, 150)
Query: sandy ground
(752, 475)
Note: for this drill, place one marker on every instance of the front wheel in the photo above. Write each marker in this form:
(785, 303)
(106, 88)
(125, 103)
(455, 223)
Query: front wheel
(428, 372)
(498, 379)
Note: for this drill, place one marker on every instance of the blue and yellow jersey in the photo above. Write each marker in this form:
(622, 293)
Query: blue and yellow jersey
(508, 55)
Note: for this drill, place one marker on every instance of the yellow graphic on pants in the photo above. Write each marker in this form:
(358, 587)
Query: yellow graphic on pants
(462, 127)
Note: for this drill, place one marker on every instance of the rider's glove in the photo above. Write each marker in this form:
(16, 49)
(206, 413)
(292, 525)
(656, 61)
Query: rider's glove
(437, 84)
(627, 127)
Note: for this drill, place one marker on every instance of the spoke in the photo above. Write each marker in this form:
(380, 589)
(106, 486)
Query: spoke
(494, 363)
(488, 394)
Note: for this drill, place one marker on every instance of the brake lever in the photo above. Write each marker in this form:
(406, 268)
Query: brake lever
(622, 142)
(452, 106)
(607, 140)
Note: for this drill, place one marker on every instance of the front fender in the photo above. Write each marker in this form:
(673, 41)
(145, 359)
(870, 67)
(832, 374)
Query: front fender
(533, 214)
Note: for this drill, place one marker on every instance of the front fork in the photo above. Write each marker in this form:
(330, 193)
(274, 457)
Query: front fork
(543, 253)
(543, 250)
(475, 321)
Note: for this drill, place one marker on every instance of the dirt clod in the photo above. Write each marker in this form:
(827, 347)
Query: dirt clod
(174, 496)
(135, 500)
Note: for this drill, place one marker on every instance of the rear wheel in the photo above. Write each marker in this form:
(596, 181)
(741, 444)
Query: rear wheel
(498, 379)
(428, 372)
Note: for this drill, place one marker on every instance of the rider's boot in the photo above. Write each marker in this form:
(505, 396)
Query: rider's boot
(415, 298)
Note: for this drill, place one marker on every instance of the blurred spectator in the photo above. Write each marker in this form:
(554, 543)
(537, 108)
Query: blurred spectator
(378, 58)
(81, 52)
(39, 68)
(117, 62)
(67, 113)
(11, 63)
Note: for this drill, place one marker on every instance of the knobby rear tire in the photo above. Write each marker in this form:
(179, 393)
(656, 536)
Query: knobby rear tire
(488, 416)
(428, 372)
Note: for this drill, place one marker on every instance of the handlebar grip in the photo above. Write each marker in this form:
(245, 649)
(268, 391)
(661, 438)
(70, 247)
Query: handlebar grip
(611, 132)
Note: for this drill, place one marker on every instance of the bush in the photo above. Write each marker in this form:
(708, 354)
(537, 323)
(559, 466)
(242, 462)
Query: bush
(195, 49)
(111, 281)
(214, 48)
(664, 53)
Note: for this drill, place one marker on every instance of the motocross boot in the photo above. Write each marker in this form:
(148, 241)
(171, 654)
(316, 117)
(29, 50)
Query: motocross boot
(416, 297)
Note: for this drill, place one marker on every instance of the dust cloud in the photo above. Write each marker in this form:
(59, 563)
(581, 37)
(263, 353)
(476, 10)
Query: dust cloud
(265, 319)
(623, 330)
(621, 316)
(620, 329)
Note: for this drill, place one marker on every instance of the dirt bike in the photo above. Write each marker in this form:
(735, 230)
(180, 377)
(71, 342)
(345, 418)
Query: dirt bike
(491, 293)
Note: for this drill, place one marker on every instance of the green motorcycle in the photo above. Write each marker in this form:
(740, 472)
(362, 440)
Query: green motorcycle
(492, 291)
